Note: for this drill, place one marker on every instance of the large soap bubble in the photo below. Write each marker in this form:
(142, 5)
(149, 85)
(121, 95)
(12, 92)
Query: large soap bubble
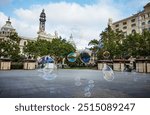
(72, 57)
(46, 62)
(47, 67)
(85, 57)
(108, 73)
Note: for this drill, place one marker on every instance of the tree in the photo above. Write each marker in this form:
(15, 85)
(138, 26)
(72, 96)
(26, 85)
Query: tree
(112, 42)
(137, 44)
(58, 48)
(9, 48)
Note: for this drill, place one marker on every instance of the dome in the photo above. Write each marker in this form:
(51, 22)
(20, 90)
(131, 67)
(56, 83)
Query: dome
(7, 26)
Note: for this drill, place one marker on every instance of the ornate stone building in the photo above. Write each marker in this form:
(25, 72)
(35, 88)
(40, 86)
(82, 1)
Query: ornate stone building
(135, 23)
(8, 28)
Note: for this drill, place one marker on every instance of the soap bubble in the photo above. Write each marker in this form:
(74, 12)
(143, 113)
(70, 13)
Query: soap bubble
(108, 73)
(91, 85)
(86, 89)
(72, 57)
(91, 81)
(46, 68)
(78, 81)
(106, 54)
(87, 94)
(85, 57)
(49, 76)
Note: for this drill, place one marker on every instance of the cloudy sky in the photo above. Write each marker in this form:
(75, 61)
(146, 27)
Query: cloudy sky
(84, 19)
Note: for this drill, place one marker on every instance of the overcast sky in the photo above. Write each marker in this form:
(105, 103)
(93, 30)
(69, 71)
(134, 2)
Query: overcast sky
(84, 19)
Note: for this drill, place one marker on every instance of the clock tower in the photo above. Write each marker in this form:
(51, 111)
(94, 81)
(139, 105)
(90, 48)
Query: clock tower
(42, 21)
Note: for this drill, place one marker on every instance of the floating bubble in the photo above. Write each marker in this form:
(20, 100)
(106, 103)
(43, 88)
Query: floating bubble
(108, 73)
(44, 61)
(72, 57)
(91, 81)
(85, 57)
(78, 81)
(106, 54)
(86, 89)
(46, 68)
(49, 76)
(87, 94)
(91, 85)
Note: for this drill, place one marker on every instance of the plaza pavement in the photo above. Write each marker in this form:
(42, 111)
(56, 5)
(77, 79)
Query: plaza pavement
(31, 84)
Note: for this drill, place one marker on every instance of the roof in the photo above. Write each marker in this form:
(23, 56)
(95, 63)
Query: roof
(7, 25)
(135, 15)
(147, 5)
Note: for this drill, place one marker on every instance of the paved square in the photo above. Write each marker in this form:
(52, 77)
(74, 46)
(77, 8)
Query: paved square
(30, 84)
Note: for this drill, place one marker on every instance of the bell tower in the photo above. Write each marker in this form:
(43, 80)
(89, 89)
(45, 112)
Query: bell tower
(42, 21)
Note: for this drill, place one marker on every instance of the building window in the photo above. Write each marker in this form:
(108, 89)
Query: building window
(117, 25)
(125, 27)
(117, 30)
(25, 43)
(133, 20)
(133, 25)
(148, 14)
(143, 17)
(133, 31)
(124, 23)
(149, 22)
(143, 23)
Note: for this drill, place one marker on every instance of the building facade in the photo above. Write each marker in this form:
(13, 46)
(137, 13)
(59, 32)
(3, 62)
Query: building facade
(135, 23)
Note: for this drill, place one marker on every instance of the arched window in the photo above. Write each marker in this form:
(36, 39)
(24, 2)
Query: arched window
(133, 31)
(25, 43)
(143, 23)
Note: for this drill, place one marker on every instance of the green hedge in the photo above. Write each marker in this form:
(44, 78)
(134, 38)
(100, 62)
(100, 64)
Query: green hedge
(16, 65)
